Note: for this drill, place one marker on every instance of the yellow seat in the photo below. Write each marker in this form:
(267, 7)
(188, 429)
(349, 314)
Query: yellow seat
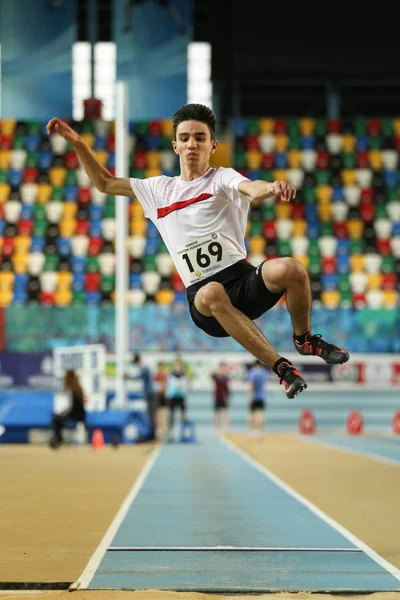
(165, 297)
(154, 172)
(374, 281)
(349, 142)
(375, 159)
(299, 228)
(307, 126)
(5, 159)
(102, 157)
(153, 159)
(22, 243)
(67, 227)
(6, 298)
(64, 280)
(281, 174)
(44, 193)
(349, 176)
(222, 157)
(324, 194)
(390, 299)
(396, 126)
(138, 227)
(304, 260)
(283, 210)
(253, 159)
(88, 138)
(19, 262)
(136, 210)
(57, 176)
(257, 245)
(330, 298)
(69, 210)
(325, 212)
(5, 190)
(167, 128)
(355, 229)
(7, 126)
(294, 159)
(6, 280)
(266, 125)
(281, 142)
(357, 262)
(63, 297)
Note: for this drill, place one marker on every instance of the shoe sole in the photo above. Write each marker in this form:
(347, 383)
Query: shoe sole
(342, 360)
(300, 388)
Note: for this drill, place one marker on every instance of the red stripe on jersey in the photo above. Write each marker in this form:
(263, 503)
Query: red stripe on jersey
(163, 212)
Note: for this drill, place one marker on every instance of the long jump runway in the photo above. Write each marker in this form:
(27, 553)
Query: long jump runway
(206, 517)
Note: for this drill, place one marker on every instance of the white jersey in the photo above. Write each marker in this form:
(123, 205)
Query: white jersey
(202, 222)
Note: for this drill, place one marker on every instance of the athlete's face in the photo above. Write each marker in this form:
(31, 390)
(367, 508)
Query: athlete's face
(193, 143)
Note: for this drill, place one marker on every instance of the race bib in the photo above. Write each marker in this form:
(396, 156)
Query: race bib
(203, 257)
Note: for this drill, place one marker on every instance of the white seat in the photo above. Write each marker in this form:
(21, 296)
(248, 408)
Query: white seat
(383, 228)
(168, 159)
(395, 245)
(79, 245)
(48, 281)
(165, 264)
(100, 127)
(390, 159)
(364, 177)
(295, 177)
(136, 245)
(151, 281)
(339, 211)
(58, 144)
(98, 197)
(136, 297)
(300, 246)
(352, 194)
(393, 210)
(284, 228)
(256, 259)
(12, 210)
(54, 210)
(107, 263)
(334, 143)
(308, 159)
(358, 282)
(108, 228)
(82, 179)
(327, 245)
(372, 263)
(35, 263)
(374, 298)
(29, 192)
(267, 142)
(131, 143)
(18, 159)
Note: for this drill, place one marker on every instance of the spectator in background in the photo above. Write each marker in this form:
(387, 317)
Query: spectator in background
(75, 412)
(146, 376)
(162, 409)
(221, 397)
(258, 377)
(178, 386)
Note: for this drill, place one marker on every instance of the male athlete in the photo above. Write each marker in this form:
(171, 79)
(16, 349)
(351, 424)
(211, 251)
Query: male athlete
(201, 216)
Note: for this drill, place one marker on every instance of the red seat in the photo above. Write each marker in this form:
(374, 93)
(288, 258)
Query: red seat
(340, 229)
(329, 264)
(1, 210)
(362, 160)
(31, 175)
(397, 142)
(323, 158)
(252, 142)
(269, 230)
(242, 172)
(267, 161)
(298, 211)
(389, 281)
(93, 281)
(84, 195)
(95, 246)
(25, 227)
(177, 283)
(47, 298)
(383, 247)
(139, 160)
(82, 227)
(8, 246)
(367, 195)
(367, 211)
(6, 141)
(359, 299)
(333, 126)
(111, 143)
(373, 127)
(71, 160)
(280, 126)
(155, 127)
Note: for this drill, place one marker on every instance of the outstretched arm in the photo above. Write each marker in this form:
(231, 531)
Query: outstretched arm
(99, 175)
(259, 190)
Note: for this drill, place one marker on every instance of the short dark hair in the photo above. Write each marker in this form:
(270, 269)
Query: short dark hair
(195, 112)
(137, 358)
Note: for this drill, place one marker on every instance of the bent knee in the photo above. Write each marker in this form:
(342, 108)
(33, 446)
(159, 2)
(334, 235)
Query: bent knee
(209, 296)
(279, 273)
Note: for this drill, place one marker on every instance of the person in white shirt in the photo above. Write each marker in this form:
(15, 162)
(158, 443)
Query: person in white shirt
(201, 216)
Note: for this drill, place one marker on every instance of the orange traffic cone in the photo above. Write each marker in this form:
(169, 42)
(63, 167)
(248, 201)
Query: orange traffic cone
(307, 423)
(355, 423)
(97, 439)
(396, 423)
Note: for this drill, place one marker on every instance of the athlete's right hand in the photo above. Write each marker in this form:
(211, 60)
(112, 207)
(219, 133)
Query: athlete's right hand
(57, 125)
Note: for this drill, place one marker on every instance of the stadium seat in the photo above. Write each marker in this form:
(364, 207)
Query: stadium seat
(136, 297)
(79, 245)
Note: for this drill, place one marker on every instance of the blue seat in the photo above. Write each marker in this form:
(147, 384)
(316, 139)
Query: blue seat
(152, 246)
(329, 281)
(135, 281)
(343, 247)
(338, 194)
(15, 177)
(281, 160)
(32, 142)
(111, 160)
(313, 230)
(78, 281)
(45, 159)
(307, 142)
(93, 297)
(180, 298)
(153, 142)
(396, 229)
(78, 264)
(343, 264)
(311, 212)
(26, 211)
(63, 246)
(152, 231)
(362, 144)
(71, 193)
(38, 244)
(390, 178)
(96, 212)
(239, 127)
(100, 142)
(20, 296)
(95, 228)
(20, 281)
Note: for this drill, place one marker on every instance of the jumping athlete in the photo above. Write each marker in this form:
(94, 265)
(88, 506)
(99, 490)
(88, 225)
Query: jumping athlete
(201, 216)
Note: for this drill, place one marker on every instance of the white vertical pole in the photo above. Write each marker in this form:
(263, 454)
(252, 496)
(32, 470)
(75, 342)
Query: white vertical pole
(121, 275)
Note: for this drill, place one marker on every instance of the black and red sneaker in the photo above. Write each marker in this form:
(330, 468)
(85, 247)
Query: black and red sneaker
(316, 346)
(291, 379)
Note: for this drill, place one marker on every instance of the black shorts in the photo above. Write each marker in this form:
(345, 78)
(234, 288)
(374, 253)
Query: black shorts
(161, 400)
(257, 405)
(177, 402)
(220, 405)
(246, 289)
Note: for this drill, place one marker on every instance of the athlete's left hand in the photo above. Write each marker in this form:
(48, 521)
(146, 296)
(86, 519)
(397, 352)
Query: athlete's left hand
(283, 190)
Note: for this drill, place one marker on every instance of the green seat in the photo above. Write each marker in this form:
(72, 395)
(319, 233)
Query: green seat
(294, 142)
(34, 128)
(78, 297)
(166, 142)
(70, 147)
(57, 193)
(107, 283)
(141, 128)
(381, 211)
(3, 175)
(309, 195)
(138, 173)
(39, 212)
(109, 208)
(326, 228)
(284, 247)
(92, 265)
(87, 127)
(349, 160)
(344, 283)
(293, 128)
(357, 246)
(320, 127)
(392, 194)
(19, 142)
(313, 249)
(375, 142)
(39, 227)
(240, 161)
(256, 229)
(322, 177)
(314, 265)
(149, 262)
(268, 212)
(387, 127)
(70, 178)
(266, 175)
(162, 249)
(32, 160)
(387, 264)
(51, 262)
(346, 298)
(360, 126)
(253, 127)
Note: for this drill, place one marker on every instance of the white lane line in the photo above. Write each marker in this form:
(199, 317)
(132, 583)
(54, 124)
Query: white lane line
(223, 548)
(348, 450)
(317, 511)
(87, 575)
